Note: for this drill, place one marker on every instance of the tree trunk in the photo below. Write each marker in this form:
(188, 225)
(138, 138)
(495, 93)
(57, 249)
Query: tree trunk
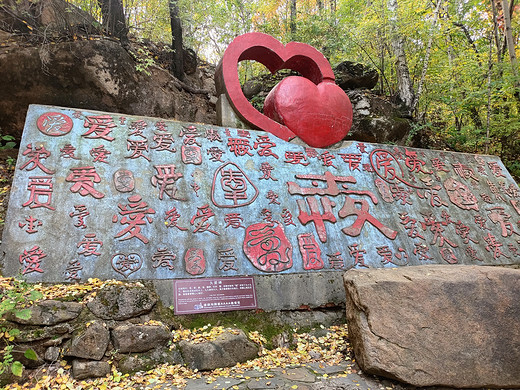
(404, 82)
(293, 18)
(498, 43)
(509, 37)
(177, 67)
(114, 19)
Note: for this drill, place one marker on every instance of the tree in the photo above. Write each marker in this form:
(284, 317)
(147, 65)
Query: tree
(177, 67)
(114, 20)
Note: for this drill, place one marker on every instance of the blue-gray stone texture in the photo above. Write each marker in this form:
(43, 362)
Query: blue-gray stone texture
(113, 196)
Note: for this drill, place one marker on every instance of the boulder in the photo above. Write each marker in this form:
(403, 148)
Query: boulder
(139, 338)
(49, 312)
(351, 75)
(89, 369)
(121, 302)
(228, 349)
(52, 334)
(89, 342)
(146, 361)
(454, 326)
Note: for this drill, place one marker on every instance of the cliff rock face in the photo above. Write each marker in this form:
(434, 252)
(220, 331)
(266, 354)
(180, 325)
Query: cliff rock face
(95, 74)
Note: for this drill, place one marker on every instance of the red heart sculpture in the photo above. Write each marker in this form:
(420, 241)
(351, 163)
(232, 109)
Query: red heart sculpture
(320, 115)
(303, 58)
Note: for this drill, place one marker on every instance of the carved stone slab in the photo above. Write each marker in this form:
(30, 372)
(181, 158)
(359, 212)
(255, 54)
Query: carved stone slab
(113, 196)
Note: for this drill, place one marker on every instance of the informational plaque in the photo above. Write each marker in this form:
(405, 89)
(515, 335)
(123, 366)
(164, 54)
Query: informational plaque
(114, 196)
(214, 294)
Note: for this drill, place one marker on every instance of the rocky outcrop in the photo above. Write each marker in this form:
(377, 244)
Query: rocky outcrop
(89, 342)
(82, 369)
(49, 313)
(139, 338)
(350, 75)
(454, 326)
(228, 349)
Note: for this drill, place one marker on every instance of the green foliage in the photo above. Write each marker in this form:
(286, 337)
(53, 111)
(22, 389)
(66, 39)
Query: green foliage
(144, 61)
(7, 142)
(14, 298)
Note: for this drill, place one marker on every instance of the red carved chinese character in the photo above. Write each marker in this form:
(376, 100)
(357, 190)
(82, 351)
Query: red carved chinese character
(358, 255)
(201, 218)
(267, 169)
(31, 260)
(388, 256)
(195, 188)
(336, 261)
(409, 224)
(165, 180)
(213, 135)
(495, 191)
(243, 133)
(352, 159)
(84, 179)
(387, 167)
(384, 190)
(32, 224)
(481, 222)
(448, 255)
(68, 152)
(438, 165)
(215, 153)
(267, 215)
(137, 147)
(433, 194)
(227, 260)
(287, 217)
(327, 158)
(460, 195)
(164, 258)
(172, 218)
(511, 191)
(494, 246)
(239, 146)
(100, 154)
(272, 196)
(160, 126)
(99, 126)
(191, 154)
(190, 135)
(437, 229)
(72, 271)
(163, 141)
(498, 216)
(311, 252)
(295, 158)
(124, 180)
(267, 247)
(234, 220)
(54, 124)
(80, 212)
(137, 127)
(316, 216)
(495, 169)
(513, 250)
(40, 187)
(472, 253)
(127, 264)
(90, 245)
(413, 163)
(265, 144)
(227, 132)
(194, 261)
(233, 186)
(421, 251)
(400, 193)
(134, 215)
(40, 153)
(486, 198)
(463, 231)
(464, 171)
(361, 147)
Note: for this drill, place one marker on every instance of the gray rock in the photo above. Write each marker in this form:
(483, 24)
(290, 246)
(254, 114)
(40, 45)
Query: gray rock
(228, 349)
(49, 313)
(55, 332)
(120, 302)
(89, 342)
(147, 361)
(454, 326)
(19, 354)
(52, 354)
(350, 75)
(89, 369)
(139, 338)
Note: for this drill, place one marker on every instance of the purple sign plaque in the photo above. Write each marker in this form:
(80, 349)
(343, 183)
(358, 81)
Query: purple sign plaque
(214, 294)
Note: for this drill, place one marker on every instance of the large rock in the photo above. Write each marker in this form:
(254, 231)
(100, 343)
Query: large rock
(89, 342)
(89, 369)
(120, 302)
(453, 326)
(49, 313)
(351, 75)
(146, 361)
(228, 349)
(139, 338)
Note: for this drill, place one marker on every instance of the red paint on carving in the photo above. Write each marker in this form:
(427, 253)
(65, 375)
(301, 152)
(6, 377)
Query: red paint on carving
(311, 252)
(54, 124)
(305, 59)
(194, 261)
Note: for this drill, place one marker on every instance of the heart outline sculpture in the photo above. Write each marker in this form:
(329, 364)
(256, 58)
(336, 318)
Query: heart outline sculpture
(263, 48)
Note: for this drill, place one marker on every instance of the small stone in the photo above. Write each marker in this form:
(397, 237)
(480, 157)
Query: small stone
(89, 342)
(52, 354)
(89, 369)
(146, 361)
(116, 302)
(298, 374)
(228, 349)
(49, 312)
(139, 338)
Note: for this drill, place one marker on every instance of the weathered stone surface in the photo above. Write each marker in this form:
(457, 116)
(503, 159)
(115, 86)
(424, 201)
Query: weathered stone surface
(351, 75)
(89, 369)
(228, 349)
(55, 332)
(20, 350)
(49, 312)
(52, 354)
(139, 338)
(146, 361)
(451, 326)
(89, 342)
(122, 302)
